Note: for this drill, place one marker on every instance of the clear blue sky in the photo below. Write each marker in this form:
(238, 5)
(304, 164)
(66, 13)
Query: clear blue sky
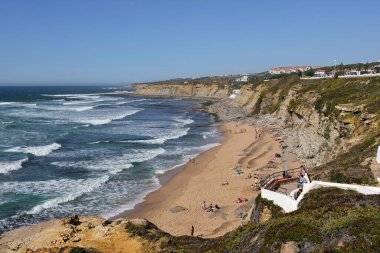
(121, 41)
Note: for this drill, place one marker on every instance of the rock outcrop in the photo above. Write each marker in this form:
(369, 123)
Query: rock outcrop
(83, 234)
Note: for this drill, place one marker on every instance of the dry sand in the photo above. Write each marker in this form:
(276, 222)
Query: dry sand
(177, 205)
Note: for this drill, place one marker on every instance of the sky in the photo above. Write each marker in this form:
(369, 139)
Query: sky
(123, 41)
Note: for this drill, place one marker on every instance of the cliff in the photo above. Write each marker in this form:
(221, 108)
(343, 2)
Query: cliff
(324, 119)
(183, 90)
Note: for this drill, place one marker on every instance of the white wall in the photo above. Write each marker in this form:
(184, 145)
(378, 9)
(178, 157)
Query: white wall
(282, 200)
(288, 204)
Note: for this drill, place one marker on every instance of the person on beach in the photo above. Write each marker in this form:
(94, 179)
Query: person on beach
(204, 205)
(192, 230)
(225, 183)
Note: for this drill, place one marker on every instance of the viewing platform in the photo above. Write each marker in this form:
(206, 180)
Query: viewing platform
(282, 189)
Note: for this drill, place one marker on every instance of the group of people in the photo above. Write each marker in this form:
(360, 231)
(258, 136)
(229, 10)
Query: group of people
(210, 208)
(242, 130)
(238, 170)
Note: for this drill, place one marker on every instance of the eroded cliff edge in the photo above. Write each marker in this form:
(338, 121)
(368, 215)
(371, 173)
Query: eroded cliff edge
(334, 122)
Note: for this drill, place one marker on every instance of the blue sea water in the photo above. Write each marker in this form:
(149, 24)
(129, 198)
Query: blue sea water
(90, 150)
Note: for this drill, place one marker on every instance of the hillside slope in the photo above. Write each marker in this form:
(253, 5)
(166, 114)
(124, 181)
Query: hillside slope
(335, 122)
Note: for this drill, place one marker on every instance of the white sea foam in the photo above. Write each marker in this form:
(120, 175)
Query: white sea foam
(161, 140)
(96, 122)
(105, 119)
(6, 167)
(137, 198)
(205, 135)
(185, 122)
(85, 186)
(74, 96)
(6, 122)
(36, 150)
(114, 164)
(77, 102)
(144, 155)
(98, 142)
(83, 108)
(160, 172)
(29, 105)
(82, 187)
(7, 103)
(66, 108)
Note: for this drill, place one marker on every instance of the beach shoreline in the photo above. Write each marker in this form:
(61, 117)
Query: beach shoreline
(176, 206)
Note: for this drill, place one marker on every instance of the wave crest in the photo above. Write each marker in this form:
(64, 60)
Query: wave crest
(36, 150)
(86, 186)
(6, 167)
(162, 140)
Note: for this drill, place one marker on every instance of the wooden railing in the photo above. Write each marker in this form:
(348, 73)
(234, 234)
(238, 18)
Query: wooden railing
(267, 181)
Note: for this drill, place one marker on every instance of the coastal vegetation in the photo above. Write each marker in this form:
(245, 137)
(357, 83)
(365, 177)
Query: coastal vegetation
(328, 220)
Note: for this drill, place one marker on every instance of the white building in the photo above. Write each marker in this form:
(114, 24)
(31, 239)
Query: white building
(291, 69)
(320, 73)
(242, 79)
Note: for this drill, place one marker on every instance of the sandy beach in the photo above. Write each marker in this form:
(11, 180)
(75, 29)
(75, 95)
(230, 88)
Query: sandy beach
(177, 205)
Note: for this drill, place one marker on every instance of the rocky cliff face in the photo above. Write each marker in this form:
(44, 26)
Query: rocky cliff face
(84, 234)
(325, 118)
(183, 90)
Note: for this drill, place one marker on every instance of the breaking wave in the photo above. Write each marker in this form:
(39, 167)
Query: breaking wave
(36, 150)
(162, 140)
(85, 186)
(6, 167)
(103, 121)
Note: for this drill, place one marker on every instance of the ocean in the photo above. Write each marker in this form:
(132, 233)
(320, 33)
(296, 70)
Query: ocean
(90, 150)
